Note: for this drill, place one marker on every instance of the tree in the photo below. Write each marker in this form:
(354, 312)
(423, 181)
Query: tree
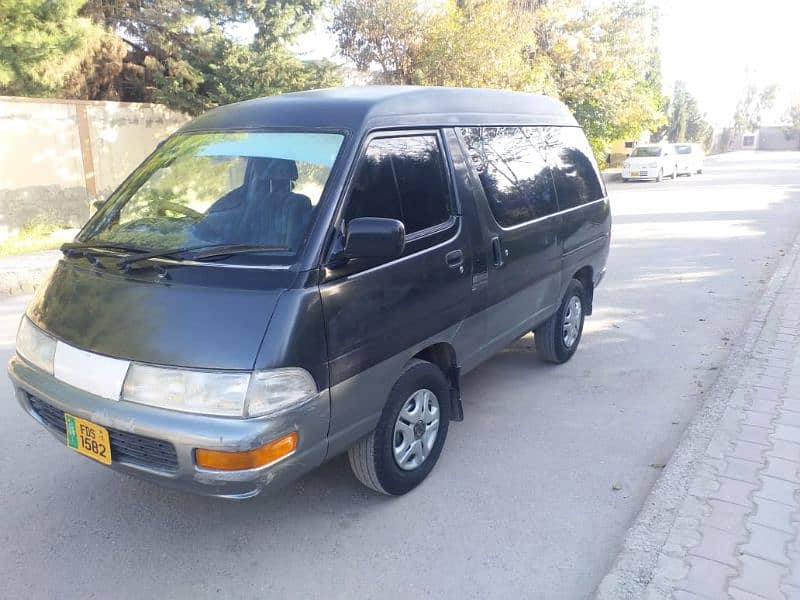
(792, 116)
(685, 122)
(187, 55)
(752, 104)
(601, 60)
(43, 43)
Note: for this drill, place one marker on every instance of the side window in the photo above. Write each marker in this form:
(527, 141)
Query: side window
(574, 167)
(402, 178)
(513, 172)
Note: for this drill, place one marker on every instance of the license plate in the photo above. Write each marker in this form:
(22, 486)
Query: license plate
(89, 439)
(634, 173)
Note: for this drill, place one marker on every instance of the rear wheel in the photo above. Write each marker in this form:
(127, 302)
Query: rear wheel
(411, 432)
(557, 338)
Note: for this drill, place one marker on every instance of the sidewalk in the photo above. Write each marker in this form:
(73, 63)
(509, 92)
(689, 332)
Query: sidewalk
(723, 521)
(20, 274)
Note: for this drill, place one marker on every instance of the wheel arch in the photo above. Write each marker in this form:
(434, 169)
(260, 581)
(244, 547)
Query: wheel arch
(443, 355)
(586, 276)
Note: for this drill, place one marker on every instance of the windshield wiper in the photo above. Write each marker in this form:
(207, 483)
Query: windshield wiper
(90, 250)
(198, 252)
(80, 248)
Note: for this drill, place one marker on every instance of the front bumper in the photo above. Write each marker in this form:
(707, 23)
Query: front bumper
(185, 432)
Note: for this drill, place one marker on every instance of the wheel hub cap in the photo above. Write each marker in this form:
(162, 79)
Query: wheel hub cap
(416, 429)
(572, 321)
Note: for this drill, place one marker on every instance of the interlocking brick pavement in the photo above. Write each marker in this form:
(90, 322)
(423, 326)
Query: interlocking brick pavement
(736, 527)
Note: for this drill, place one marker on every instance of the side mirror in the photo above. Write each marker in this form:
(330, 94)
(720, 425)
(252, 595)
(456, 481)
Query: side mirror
(372, 237)
(628, 155)
(98, 204)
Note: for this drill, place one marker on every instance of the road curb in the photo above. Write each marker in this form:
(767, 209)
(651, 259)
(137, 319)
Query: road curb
(634, 566)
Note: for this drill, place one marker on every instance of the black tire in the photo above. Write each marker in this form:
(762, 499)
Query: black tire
(549, 338)
(660, 175)
(674, 175)
(372, 458)
(699, 171)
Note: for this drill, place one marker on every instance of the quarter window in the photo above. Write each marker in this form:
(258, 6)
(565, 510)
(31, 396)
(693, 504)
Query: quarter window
(402, 178)
(513, 172)
(574, 167)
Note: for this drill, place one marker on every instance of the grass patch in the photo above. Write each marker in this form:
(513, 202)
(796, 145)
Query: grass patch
(35, 238)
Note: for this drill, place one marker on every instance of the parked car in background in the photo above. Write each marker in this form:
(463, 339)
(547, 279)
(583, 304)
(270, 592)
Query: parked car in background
(654, 161)
(689, 158)
(295, 277)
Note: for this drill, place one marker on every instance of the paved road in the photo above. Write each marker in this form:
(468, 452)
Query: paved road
(522, 503)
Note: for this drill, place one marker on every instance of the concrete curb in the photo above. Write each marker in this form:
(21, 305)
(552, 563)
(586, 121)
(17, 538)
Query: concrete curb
(634, 566)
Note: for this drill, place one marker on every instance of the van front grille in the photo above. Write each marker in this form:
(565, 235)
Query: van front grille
(125, 447)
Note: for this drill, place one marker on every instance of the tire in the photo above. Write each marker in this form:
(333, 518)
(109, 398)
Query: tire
(372, 458)
(674, 175)
(549, 337)
(699, 171)
(660, 175)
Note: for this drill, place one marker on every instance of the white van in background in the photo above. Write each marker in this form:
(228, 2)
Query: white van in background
(650, 161)
(689, 158)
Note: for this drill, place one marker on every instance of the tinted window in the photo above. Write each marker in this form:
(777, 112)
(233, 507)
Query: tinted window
(647, 151)
(512, 171)
(683, 149)
(574, 168)
(402, 178)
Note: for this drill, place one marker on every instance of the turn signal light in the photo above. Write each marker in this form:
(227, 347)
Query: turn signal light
(251, 459)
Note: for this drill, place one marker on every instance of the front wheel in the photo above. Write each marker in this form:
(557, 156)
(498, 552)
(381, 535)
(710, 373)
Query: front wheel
(403, 449)
(557, 338)
(674, 175)
(660, 175)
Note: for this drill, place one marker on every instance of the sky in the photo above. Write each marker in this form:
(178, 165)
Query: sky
(715, 46)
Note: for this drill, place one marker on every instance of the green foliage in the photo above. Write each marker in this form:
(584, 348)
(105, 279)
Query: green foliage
(43, 42)
(685, 122)
(187, 55)
(600, 59)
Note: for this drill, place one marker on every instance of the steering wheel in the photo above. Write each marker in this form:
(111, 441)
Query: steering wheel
(180, 208)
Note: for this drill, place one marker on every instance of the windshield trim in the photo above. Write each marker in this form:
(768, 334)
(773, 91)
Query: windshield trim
(300, 257)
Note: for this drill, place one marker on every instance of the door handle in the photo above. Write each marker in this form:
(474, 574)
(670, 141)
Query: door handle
(454, 259)
(497, 252)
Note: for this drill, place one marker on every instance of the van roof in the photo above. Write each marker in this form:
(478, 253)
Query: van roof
(369, 107)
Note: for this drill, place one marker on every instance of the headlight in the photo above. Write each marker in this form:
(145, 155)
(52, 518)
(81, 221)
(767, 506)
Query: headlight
(216, 392)
(271, 391)
(35, 346)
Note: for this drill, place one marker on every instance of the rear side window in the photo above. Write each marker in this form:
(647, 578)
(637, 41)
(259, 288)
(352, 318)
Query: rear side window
(402, 178)
(513, 172)
(574, 168)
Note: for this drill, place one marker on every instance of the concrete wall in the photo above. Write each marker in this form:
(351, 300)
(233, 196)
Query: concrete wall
(778, 138)
(58, 156)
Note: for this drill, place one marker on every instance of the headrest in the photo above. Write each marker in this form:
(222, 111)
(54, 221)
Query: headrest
(280, 168)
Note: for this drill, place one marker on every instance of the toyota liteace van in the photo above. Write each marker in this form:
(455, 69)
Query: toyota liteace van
(290, 278)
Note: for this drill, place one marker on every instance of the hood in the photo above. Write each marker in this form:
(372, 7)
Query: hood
(161, 322)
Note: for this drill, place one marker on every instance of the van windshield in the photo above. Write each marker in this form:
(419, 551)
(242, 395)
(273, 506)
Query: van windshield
(683, 149)
(649, 151)
(228, 188)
